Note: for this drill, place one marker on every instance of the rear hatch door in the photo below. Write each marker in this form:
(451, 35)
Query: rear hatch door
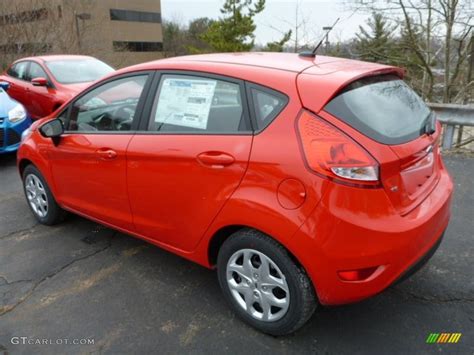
(391, 122)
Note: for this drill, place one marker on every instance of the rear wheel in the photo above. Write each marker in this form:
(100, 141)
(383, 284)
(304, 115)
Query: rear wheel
(39, 197)
(264, 286)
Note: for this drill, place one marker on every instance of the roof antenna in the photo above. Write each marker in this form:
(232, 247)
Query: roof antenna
(313, 53)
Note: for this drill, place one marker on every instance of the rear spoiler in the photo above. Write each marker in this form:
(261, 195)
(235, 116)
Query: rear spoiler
(319, 85)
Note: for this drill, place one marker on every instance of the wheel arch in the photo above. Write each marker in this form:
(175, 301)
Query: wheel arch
(22, 164)
(222, 234)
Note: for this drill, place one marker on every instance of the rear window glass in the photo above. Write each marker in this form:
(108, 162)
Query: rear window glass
(267, 104)
(383, 108)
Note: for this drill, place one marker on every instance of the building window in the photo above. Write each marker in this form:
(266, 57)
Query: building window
(135, 16)
(25, 16)
(26, 48)
(124, 46)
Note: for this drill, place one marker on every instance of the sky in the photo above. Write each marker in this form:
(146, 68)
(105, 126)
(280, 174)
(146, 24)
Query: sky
(279, 16)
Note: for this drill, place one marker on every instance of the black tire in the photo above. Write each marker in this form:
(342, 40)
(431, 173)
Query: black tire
(302, 298)
(54, 214)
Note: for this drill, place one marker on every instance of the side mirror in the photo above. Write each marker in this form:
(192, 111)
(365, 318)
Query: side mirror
(52, 129)
(4, 85)
(39, 82)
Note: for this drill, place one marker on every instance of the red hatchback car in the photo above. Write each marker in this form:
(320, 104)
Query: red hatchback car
(43, 84)
(304, 181)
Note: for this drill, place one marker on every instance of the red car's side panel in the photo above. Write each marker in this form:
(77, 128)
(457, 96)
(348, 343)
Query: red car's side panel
(89, 172)
(275, 160)
(177, 183)
(43, 100)
(17, 90)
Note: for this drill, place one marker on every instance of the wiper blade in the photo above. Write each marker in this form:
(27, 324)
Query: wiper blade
(429, 124)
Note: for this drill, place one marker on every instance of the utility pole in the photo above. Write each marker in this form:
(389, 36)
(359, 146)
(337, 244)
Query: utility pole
(327, 29)
(78, 17)
(470, 73)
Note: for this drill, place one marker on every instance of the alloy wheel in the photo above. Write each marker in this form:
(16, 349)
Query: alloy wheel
(258, 285)
(36, 194)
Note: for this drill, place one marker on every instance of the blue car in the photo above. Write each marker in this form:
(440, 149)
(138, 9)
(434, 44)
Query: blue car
(13, 121)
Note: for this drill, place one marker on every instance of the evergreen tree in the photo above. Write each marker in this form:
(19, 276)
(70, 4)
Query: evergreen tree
(376, 43)
(278, 46)
(234, 31)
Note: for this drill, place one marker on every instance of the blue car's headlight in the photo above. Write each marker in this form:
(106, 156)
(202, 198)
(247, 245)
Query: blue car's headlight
(17, 114)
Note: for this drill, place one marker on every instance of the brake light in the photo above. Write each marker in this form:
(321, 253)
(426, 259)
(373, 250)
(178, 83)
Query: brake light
(333, 154)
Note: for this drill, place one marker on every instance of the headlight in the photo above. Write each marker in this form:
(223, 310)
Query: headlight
(25, 134)
(17, 114)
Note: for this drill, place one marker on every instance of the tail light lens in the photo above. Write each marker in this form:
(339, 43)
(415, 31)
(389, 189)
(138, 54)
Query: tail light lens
(333, 154)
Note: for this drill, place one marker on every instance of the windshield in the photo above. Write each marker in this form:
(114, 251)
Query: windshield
(78, 70)
(383, 108)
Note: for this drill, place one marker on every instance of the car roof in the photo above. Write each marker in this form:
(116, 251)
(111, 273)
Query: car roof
(276, 71)
(290, 62)
(50, 58)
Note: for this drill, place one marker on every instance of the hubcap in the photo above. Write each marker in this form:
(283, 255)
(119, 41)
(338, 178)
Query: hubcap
(36, 195)
(258, 285)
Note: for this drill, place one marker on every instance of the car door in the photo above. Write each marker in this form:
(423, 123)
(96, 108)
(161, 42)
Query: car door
(89, 161)
(17, 76)
(192, 157)
(41, 97)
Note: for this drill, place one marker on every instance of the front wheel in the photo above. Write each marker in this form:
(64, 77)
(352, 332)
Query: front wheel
(39, 197)
(262, 283)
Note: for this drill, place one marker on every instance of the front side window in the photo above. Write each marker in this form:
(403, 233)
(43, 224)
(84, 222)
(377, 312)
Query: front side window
(19, 71)
(197, 105)
(383, 108)
(109, 107)
(36, 71)
(73, 71)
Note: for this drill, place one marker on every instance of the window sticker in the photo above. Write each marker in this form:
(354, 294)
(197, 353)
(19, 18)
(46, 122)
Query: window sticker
(185, 102)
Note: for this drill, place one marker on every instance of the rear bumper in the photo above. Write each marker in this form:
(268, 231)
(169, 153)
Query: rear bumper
(353, 229)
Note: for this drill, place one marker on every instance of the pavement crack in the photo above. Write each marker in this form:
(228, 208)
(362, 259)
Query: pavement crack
(9, 235)
(10, 308)
(432, 299)
(6, 282)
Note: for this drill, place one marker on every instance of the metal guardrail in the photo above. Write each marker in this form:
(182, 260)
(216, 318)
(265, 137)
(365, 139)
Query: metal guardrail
(452, 115)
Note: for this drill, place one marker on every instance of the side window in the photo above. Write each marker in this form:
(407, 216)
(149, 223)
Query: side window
(36, 71)
(12, 71)
(194, 104)
(109, 107)
(19, 71)
(267, 104)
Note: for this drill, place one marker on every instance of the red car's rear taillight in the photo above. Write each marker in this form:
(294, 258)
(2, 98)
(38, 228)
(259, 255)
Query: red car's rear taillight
(333, 154)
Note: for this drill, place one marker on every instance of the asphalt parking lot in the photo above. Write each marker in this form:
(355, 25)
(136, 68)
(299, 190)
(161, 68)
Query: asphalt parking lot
(80, 280)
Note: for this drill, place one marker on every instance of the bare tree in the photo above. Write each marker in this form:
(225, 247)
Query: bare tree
(445, 27)
(303, 34)
(35, 27)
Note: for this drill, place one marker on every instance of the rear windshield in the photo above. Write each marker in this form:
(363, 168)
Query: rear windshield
(383, 108)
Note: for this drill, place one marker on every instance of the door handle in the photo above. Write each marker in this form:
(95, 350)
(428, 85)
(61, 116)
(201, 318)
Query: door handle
(106, 154)
(216, 159)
